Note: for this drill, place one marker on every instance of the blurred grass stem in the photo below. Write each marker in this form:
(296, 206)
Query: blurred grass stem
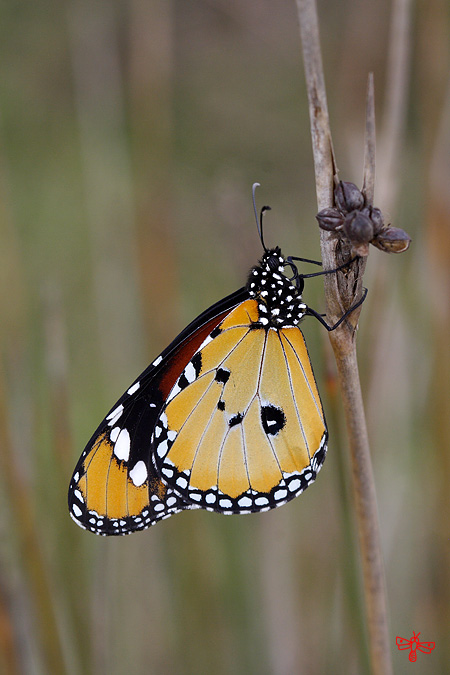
(32, 557)
(341, 290)
(395, 107)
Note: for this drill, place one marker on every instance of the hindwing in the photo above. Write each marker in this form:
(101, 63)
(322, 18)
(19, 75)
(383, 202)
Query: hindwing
(243, 429)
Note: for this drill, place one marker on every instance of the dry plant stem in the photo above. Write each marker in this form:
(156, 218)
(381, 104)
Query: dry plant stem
(369, 144)
(340, 292)
(395, 108)
(320, 125)
(366, 513)
(26, 528)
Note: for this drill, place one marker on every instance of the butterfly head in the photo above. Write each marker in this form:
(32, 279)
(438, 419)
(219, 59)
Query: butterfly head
(279, 298)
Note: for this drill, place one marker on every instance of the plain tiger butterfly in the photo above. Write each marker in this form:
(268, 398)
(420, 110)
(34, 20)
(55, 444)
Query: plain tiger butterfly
(228, 418)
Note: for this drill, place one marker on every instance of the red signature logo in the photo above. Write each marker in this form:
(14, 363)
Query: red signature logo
(414, 645)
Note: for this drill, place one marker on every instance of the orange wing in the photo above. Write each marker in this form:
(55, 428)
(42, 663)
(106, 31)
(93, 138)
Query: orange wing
(243, 428)
(115, 488)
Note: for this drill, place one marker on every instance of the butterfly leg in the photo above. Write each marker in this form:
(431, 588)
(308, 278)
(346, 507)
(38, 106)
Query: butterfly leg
(318, 274)
(290, 258)
(312, 312)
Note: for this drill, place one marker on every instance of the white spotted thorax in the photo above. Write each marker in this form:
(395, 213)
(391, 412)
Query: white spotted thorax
(280, 303)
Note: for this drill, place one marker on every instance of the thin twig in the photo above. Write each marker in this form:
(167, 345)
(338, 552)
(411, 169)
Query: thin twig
(368, 188)
(340, 292)
(26, 526)
(318, 107)
(394, 113)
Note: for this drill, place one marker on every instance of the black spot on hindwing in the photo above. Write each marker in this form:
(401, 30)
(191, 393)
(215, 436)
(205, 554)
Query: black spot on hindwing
(235, 420)
(222, 375)
(272, 419)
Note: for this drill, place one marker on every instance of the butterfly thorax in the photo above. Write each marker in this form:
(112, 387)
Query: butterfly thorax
(280, 303)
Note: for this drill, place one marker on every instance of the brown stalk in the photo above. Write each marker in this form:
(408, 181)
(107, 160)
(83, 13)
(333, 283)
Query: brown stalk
(26, 526)
(341, 291)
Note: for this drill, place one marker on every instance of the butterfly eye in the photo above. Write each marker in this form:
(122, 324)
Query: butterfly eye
(273, 263)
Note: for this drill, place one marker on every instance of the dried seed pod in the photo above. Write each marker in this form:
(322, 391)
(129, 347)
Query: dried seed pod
(358, 228)
(359, 224)
(348, 197)
(376, 218)
(330, 219)
(392, 240)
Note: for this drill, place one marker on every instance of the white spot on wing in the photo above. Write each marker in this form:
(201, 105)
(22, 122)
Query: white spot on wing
(138, 473)
(122, 445)
(189, 371)
(294, 485)
(181, 482)
(162, 449)
(245, 502)
(77, 511)
(205, 342)
(134, 388)
(79, 496)
(157, 361)
(114, 415)
(114, 433)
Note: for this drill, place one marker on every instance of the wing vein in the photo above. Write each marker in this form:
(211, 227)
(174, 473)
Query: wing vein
(318, 408)
(293, 395)
(211, 384)
(258, 394)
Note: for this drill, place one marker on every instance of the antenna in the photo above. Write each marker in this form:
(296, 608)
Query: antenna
(259, 221)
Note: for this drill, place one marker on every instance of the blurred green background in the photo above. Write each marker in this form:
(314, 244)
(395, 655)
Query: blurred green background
(130, 135)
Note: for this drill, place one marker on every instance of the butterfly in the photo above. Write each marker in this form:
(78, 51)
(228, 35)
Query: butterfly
(414, 645)
(228, 418)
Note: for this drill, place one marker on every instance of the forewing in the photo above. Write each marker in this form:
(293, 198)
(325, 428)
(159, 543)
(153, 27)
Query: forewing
(115, 488)
(243, 428)
(403, 643)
